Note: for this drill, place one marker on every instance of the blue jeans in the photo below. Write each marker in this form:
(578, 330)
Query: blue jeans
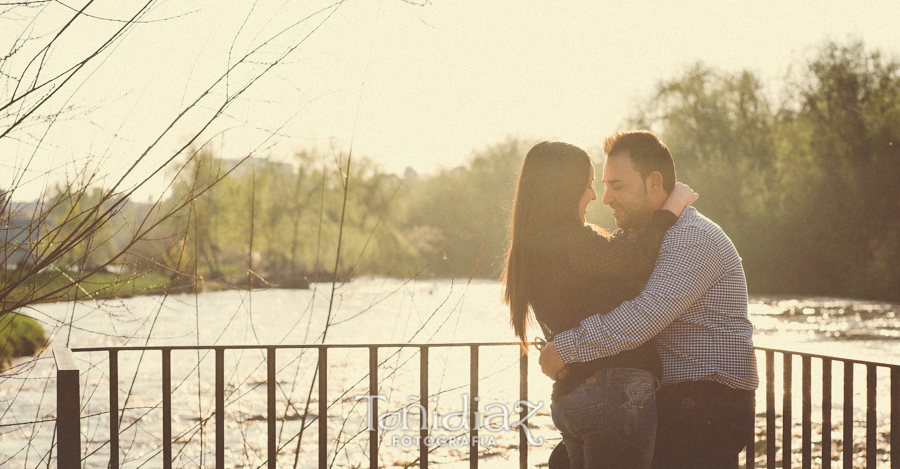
(609, 421)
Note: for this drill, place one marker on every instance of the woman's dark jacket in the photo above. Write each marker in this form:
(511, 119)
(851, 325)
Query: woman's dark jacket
(576, 272)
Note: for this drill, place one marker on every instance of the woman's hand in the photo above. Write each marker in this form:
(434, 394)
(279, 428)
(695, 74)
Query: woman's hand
(551, 364)
(680, 197)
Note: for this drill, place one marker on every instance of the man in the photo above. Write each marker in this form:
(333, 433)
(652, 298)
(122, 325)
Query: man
(695, 304)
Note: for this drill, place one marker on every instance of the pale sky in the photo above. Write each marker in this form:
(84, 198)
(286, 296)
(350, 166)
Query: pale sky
(418, 86)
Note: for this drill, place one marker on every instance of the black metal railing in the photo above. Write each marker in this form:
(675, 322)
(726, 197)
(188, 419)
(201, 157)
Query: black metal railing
(69, 455)
(847, 419)
(68, 418)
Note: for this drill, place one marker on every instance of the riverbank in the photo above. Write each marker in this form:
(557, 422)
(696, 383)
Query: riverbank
(20, 336)
(53, 286)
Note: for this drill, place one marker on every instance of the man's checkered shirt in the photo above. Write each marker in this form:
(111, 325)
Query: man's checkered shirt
(695, 303)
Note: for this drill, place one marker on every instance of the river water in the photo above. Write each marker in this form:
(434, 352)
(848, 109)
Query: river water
(373, 310)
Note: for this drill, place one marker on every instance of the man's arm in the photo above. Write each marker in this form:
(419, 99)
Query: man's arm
(687, 268)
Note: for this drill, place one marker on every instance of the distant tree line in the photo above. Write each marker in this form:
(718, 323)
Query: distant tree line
(806, 185)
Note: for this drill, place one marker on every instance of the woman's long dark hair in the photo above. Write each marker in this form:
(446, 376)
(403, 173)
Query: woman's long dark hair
(553, 179)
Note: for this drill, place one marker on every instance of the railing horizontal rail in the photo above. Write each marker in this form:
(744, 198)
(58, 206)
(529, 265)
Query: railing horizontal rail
(293, 346)
(774, 447)
(413, 345)
(820, 356)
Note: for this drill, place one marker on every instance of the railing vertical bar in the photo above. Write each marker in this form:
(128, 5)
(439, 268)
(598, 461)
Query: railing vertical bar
(323, 408)
(373, 391)
(473, 407)
(423, 400)
(806, 419)
(826, 413)
(167, 407)
(871, 423)
(848, 415)
(523, 397)
(271, 384)
(787, 422)
(770, 410)
(114, 409)
(68, 410)
(750, 449)
(220, 408)
(895, 417)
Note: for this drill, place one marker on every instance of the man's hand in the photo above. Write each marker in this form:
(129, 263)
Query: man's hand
(551, 364)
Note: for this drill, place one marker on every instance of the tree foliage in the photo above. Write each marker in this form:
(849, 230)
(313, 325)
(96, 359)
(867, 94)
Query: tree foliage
(805, 187)
(462, 213)
(802, 185)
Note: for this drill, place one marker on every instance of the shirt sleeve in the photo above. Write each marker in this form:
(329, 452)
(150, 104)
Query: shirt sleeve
(686, 269)
(618, 258)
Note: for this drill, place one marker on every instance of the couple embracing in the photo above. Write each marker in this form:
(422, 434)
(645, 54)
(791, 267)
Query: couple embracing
(651, 350)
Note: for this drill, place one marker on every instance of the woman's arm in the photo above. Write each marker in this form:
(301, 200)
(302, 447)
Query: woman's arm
(620, 258)
(681, 197)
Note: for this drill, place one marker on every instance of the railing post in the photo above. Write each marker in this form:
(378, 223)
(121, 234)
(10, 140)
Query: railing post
(871, 423)
(220, 408)
(323, 408)
(373, 391)
(826, 413)
(68, 410)
(750, 449)
(806, 411)
(523, 396)
(167, 407)
(473, 408)
(271, 384)
(847, 454)
(786, 421)
(114, 409)
(423, 400)
(895, 417)
(770, 410)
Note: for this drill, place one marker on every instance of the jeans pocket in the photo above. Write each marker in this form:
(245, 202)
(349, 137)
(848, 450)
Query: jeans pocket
(641, 394)
(613, 425)
(585, 420)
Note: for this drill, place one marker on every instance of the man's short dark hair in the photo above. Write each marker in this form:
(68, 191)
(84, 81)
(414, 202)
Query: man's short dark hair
(647, 152)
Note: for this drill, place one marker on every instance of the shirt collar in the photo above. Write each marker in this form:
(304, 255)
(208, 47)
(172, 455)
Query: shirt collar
(689, 213)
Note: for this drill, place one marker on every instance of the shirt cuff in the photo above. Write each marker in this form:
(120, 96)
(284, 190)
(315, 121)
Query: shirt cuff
(565, 346)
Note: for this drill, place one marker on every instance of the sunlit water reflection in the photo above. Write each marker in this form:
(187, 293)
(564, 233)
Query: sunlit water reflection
(364, 311)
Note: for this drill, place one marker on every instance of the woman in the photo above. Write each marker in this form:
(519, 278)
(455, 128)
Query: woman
(564, 271)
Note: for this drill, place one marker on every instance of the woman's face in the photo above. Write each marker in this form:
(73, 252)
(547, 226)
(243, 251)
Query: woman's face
(588, 196)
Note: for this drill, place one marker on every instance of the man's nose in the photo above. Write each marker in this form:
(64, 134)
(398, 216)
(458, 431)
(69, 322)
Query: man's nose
(607, 197)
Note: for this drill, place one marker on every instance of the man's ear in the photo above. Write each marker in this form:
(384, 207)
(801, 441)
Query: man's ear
(654, 182)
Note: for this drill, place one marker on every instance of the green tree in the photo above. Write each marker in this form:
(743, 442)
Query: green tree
(463, 213)
(806, 188)
(720, 129)
(844, 149)
(273, 223)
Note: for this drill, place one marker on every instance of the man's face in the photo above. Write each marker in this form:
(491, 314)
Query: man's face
(626, 192)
